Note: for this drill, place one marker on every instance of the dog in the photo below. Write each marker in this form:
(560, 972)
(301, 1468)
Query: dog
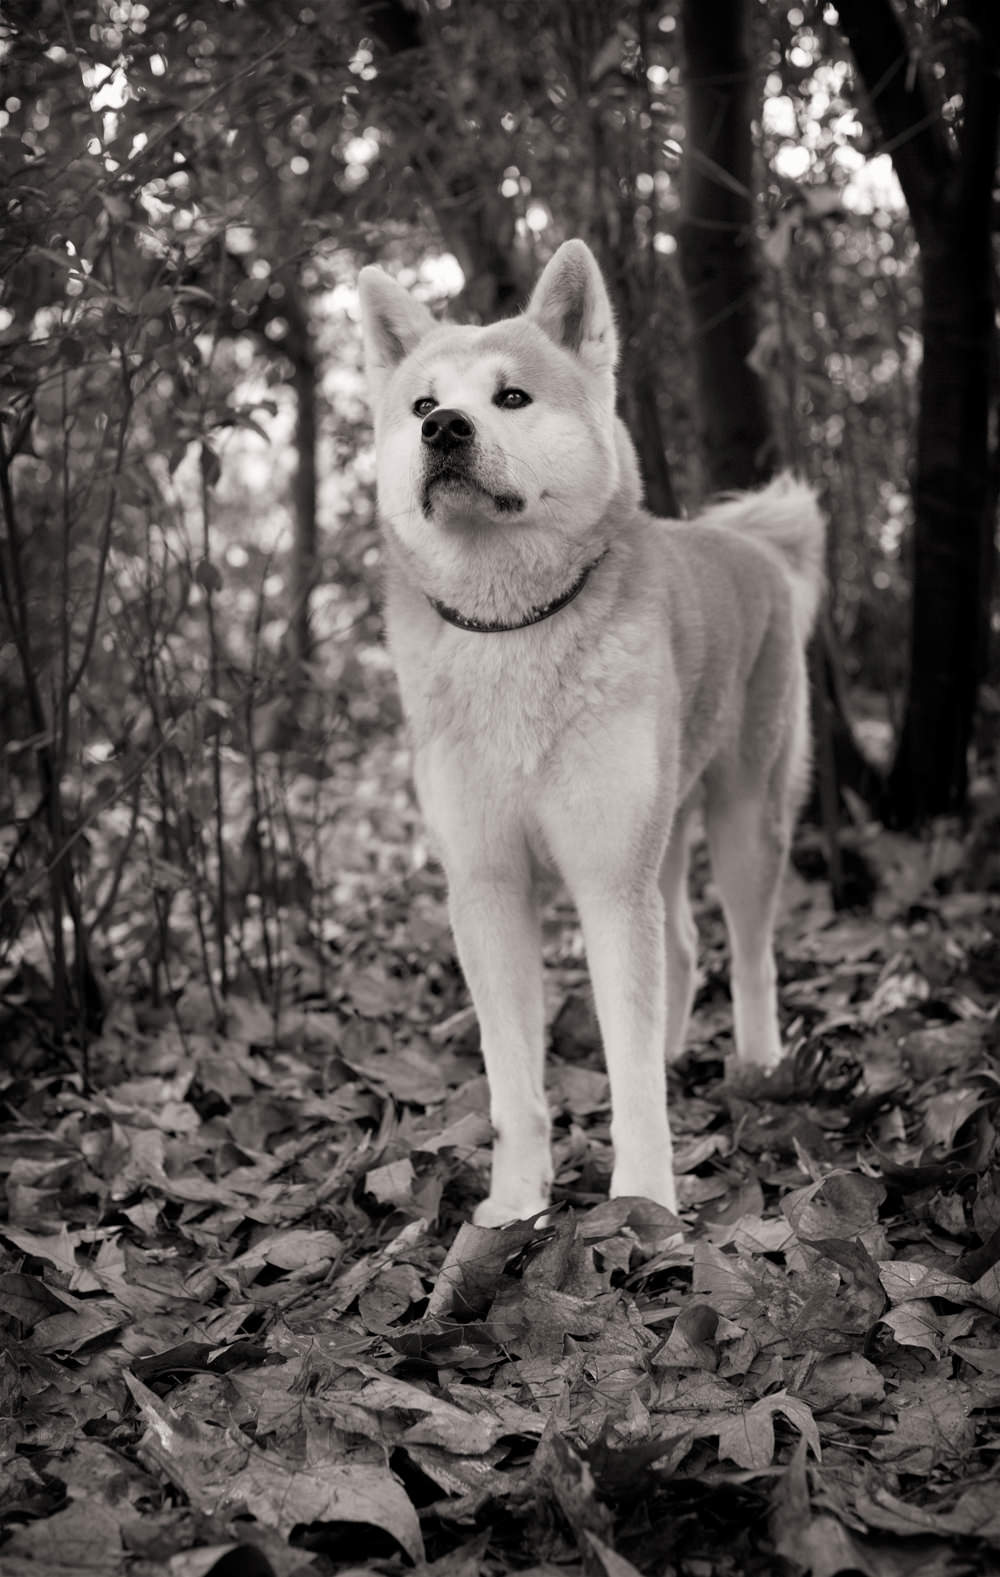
(578, 676)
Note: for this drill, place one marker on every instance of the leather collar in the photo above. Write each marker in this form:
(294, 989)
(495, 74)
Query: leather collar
(533, 616)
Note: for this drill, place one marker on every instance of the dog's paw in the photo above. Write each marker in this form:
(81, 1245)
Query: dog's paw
(759, 1078)
(661, 1190)
(500, 1213)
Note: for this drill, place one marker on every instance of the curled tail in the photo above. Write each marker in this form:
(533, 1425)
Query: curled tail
(785, 517)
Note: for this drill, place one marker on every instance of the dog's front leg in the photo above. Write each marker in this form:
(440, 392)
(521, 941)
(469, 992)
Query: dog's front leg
(602, 828)
(623, 933)
(495, 921)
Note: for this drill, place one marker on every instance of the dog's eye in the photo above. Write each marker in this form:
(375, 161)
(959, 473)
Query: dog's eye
(511, 399)
(424, 406)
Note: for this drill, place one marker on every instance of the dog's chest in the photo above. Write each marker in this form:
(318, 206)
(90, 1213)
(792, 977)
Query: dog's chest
(508, 708)
(502, 704)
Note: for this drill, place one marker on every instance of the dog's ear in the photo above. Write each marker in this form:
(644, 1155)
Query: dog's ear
(570, 302)
(392, 322)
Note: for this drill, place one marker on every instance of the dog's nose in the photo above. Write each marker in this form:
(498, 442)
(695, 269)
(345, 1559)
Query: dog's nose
(446, 429)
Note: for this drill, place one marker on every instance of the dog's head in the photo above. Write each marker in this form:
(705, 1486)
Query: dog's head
(509, 428)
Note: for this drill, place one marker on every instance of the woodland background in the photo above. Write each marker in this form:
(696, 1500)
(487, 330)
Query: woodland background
(243, 1113)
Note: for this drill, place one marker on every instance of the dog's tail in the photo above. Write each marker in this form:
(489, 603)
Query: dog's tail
(785, 516)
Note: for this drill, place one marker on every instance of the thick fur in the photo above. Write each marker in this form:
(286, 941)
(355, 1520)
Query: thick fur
(676, 677)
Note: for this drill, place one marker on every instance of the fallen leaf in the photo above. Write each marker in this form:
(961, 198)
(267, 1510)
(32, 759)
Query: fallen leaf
(654, 1228)
(721, 1281)
(392, 1184)
(467, 1281)
(933, 1425)
(294, 1249)
(974, 1514)
(944, 1114)
(467, 1133)
(221, 1560)
(841, 1205)
(83, 1540)
(814, 1542)
(72, 1329)
(608, 1562)
(58, 1249)
(842, 1380)
(915, 1324)
(222, 1473)
(437, 1422)
(691, 1343)
(905, 1280)
(28, 1300)
(748, 1438)
(388, 1297)
(559, 1467)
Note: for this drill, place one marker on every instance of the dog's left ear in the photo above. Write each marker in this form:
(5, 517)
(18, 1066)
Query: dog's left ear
(570, 302)
(392, 322)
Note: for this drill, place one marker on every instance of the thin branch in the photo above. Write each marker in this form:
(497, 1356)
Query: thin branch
(105, 542)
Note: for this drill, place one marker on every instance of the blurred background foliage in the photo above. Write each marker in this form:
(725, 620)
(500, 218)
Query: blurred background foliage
(202, 762)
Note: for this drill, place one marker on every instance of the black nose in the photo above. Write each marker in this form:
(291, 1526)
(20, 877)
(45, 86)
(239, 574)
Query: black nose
(445, 429)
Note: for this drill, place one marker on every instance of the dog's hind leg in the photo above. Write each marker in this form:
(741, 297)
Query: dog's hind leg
(749, 830)
(681, 933)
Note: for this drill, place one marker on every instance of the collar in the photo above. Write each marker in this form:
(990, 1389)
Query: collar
(533, 616)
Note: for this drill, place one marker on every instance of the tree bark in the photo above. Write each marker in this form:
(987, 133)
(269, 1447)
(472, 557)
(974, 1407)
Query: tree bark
(950, 201)
(716, 245)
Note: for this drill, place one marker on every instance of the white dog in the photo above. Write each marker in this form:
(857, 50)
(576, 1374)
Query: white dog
(577, 675)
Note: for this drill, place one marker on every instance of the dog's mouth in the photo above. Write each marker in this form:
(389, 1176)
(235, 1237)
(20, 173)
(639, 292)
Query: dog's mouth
(450, 480)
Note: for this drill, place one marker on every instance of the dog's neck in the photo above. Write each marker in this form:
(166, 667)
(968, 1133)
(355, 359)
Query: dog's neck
(496, 580)
(502, 578)
(532, 616)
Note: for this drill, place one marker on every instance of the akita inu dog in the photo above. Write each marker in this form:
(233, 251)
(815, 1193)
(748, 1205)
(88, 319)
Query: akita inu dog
(577, 675)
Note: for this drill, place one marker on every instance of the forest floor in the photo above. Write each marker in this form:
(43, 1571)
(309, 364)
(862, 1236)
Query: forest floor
(248, 1330)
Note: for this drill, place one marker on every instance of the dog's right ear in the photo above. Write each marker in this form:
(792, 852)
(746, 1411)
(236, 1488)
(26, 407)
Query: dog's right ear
(392, 322)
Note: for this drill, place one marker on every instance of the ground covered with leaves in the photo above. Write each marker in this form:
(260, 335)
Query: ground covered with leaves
(247, 1328)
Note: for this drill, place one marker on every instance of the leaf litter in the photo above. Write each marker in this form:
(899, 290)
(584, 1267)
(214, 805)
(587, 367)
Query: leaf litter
(248, 1328)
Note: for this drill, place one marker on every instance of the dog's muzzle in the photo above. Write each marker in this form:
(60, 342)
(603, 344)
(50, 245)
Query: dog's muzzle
(448, 437)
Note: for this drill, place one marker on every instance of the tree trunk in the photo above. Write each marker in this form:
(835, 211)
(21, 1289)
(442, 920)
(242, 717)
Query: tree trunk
(737, 442)
(642, 418)
(607, 216)
(953, 524)
(950, 203)
(717, 247)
